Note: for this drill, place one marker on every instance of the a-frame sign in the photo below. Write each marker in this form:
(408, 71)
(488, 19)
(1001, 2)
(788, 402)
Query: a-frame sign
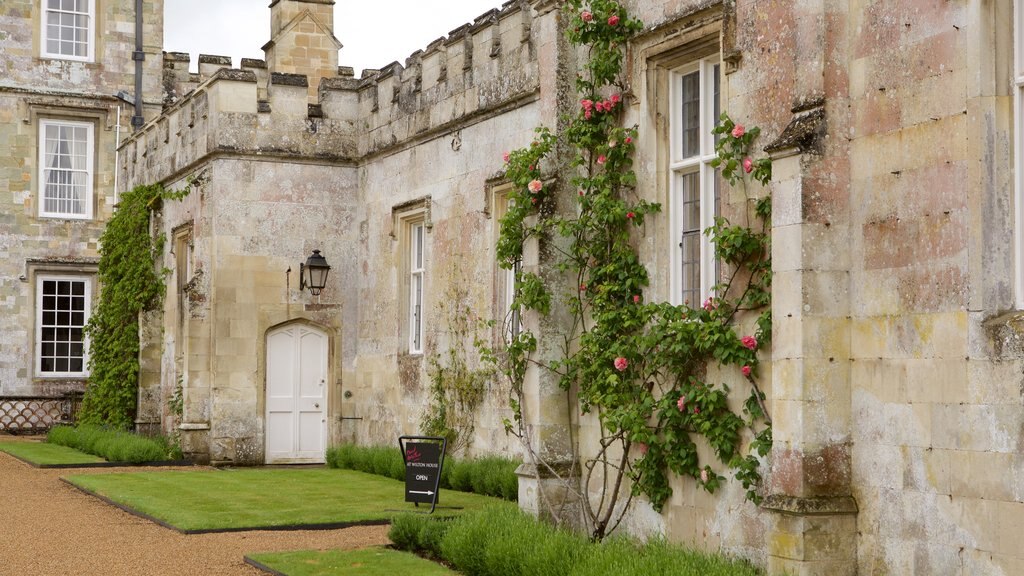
(424, 459)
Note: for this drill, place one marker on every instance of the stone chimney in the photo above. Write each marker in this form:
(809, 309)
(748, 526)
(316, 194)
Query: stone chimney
(302, 40)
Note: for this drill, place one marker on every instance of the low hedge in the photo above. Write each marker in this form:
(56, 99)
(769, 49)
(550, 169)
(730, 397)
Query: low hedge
(114, 445)
(490, 476)
(504, 541)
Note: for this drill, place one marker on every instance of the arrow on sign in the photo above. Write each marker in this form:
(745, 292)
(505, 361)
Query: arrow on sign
(428, 493)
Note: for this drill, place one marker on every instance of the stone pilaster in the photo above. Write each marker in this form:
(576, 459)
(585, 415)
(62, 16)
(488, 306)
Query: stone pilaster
(815, 530)
(550, 486)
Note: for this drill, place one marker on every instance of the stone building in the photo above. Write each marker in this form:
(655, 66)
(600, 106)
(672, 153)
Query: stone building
(62, 65)
(896, 378)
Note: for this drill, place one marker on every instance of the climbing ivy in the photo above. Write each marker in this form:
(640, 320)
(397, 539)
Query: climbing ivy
(130, 283)
(639, 365)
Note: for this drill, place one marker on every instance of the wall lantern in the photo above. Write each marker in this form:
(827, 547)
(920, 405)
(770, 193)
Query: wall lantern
(313, 274)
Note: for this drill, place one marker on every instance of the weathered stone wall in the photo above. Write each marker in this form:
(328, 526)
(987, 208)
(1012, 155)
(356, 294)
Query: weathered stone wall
(33, 88)
(896, 373)
(261, 151)
(894, 377)
(937, 393)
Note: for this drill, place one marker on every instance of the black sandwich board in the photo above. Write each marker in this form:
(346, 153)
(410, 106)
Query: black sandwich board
(424, 457)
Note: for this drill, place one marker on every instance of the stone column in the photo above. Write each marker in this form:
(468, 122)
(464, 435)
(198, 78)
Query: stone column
(549, 487)
(815, 530)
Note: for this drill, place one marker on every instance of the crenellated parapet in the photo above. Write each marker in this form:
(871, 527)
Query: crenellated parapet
(479, 69)
(235, 112)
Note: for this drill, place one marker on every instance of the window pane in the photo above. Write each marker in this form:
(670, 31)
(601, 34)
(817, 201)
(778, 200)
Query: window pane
(690, 240)
(690, 115)
(61, 343)
(66, 172)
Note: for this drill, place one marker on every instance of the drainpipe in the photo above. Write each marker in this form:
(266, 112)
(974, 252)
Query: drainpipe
(138, 56)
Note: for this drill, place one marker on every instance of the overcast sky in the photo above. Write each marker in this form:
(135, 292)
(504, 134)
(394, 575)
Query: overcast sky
(374, 33)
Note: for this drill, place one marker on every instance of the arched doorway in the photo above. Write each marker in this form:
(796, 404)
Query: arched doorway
(296, 394)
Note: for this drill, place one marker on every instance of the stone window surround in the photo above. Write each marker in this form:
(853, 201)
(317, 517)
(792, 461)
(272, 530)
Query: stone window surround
(504, 280)
(181, 252)
(660, 53)
(35, 271)
(90, 191)
(681, 166)
(405, 217)
(91, 33)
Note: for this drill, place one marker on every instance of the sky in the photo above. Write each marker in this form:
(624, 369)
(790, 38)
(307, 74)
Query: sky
(374, 33)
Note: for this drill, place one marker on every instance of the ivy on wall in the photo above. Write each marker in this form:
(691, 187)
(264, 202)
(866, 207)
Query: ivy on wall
(637, 364)
(456, 386)
(130, 283)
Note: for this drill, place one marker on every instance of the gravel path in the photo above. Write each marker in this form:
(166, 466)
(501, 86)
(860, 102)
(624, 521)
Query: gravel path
(50, 528)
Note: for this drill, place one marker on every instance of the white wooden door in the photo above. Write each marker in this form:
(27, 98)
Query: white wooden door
(296, 395)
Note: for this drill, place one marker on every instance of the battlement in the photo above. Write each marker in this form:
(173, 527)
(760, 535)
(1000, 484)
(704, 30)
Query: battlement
(235, 112)
(478, 69)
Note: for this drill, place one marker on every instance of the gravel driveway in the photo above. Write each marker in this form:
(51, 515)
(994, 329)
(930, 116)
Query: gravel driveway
(49, 528)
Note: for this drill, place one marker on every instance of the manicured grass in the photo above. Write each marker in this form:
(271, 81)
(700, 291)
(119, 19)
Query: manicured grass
(263, 498)
(363, 562)
(44, 454)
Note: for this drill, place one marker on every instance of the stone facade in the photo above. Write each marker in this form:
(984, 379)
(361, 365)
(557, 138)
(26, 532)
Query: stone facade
(895, 374)
(39, 85)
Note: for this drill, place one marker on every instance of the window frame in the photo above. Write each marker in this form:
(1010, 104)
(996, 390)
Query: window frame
(40, 280)
(506, 279)
(45, 10)
(89, 170)
(1018, 153)
(709, 184)
(416, 266)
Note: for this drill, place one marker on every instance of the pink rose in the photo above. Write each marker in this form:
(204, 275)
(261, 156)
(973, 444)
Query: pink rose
(709, 304)
(748, 165)
(616, 98)
(641, 447)
(587, 114)
(738, 131)
(749, 342)
(583, 287)
(533, 200)
(587, 104)
(636, 298)
(599, 106)
(630, 215)
(608, 106)
(586, 16)
(621, 363)
(613, 20)
(704, 475)
(601, 159)
(535, 186)
(505, 157)
(746, 371)
(628, 140)
(681, 403)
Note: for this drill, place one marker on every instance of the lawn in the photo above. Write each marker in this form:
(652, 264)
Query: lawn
(48, 455)
(254, 498)
(364, 562)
